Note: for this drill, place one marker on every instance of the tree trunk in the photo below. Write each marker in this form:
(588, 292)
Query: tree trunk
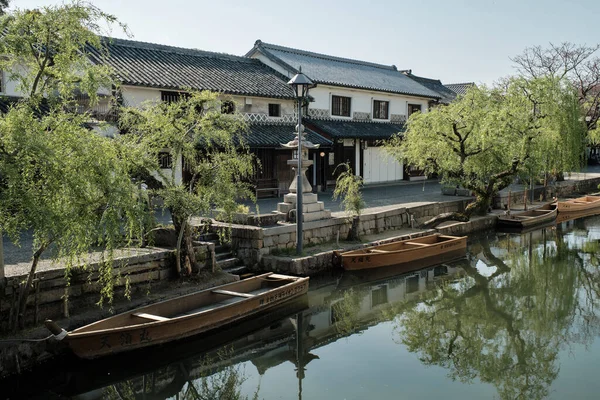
(451, 216)
(24, 293)
(353, 232)
(185, 254)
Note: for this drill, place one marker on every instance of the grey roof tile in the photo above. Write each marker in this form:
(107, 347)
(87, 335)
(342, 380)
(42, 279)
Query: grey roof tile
(325, 69)
(351, 129)
(446, 94)
(167, 67)
(460, 88)
(274, 135)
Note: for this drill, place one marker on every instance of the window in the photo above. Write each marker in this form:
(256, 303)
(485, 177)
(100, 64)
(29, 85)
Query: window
(274, 110)
(228, 107)
(413, 108)
(380, 109)
(171, 97)
(165, 160)
(379, 296)
(340, 106)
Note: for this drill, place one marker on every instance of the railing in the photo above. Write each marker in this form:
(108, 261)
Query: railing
(264, 118)
(104, 110)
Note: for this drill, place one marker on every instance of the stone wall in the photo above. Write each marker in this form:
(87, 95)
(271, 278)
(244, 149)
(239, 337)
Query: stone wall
(133, 273)
(252, 243)
(317, 263)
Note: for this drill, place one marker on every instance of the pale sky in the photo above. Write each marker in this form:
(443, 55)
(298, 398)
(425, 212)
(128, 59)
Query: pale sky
(453, 40)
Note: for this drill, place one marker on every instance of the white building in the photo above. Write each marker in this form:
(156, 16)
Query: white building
(356, 104)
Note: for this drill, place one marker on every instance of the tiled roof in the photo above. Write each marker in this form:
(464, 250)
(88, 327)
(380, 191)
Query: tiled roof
(436, 85)
(352, 129)
(167, 67)
(460, 88)
(321, 68)
(274, 135)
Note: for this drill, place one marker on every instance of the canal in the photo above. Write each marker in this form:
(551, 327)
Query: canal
(518, 318)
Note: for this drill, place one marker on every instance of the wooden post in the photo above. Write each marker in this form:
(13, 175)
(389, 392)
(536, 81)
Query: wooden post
(1, 260)
(509, 196)
(525, 200)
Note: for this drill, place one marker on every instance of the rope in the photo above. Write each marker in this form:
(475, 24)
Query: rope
(25, 340)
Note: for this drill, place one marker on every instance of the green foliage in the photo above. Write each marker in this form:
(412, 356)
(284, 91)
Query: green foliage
(48, 50)
(65, 184)
(486, 138)
(348, 187)
(211, 143)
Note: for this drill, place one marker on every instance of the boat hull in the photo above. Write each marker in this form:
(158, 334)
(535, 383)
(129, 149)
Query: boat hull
(528, 219)
(580, 204)
(87, 343)
(426, 247)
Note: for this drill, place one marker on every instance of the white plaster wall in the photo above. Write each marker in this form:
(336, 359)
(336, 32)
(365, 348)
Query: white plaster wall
(260, 105)
(362, 100)
(9, 86)
(273, 65)
(137, 96)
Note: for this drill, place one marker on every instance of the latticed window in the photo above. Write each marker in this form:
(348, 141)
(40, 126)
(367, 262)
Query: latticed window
(413, 108)
(340, 106)
(165, 160)
(170, 97)
(228, 107)
(380, 109)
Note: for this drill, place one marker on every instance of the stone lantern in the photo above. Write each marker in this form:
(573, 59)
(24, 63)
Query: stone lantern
(312, 209)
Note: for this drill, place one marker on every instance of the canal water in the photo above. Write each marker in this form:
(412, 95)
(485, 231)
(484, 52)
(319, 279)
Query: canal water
(518, 318)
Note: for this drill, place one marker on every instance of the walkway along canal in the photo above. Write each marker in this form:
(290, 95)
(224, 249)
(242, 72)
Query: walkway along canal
(517, 318)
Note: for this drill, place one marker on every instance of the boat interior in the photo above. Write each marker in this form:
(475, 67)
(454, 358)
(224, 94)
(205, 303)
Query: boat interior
(419, 242)
(199, 302)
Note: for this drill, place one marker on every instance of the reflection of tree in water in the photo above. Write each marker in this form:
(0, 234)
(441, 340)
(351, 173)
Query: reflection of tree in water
(506, 326)
(207, 383)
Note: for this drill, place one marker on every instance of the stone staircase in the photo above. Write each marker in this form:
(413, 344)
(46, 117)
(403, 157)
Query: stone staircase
(225, 259)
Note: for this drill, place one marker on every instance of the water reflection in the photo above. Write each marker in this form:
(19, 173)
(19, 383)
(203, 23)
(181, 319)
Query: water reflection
(500, 317)
(524, 298)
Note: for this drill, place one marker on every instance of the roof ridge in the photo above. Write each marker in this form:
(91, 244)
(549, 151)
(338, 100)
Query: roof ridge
(259, 43)
(173, 49)
(462, 83)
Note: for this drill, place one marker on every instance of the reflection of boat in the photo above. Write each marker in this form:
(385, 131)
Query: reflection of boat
(579, 204)
(527, 219)
(403, 252)
(183, 316)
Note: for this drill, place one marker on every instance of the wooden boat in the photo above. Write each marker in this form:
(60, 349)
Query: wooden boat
(527, 219)
(181, 317)
(572, 215)
(404, 252)
(579, 204)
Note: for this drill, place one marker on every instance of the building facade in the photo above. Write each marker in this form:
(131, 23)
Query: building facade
(356, 104)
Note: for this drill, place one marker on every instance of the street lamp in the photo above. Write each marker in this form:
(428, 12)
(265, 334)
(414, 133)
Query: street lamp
(300, 83)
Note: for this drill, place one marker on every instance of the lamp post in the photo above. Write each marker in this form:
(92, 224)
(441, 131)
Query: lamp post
(300, 83)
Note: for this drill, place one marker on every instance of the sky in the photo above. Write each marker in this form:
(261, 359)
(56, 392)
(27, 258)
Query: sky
(453, 40)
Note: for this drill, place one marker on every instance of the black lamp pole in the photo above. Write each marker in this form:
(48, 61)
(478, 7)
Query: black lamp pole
(300, 83)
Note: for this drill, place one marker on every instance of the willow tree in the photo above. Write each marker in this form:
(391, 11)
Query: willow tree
(60, 181)
(348, 188)
(489, 136)
(199, 140)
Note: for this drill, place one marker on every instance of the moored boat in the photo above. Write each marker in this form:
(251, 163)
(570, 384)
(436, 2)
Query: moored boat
(527, 219)
(404, 252)
(579, 204)
(182, 316)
